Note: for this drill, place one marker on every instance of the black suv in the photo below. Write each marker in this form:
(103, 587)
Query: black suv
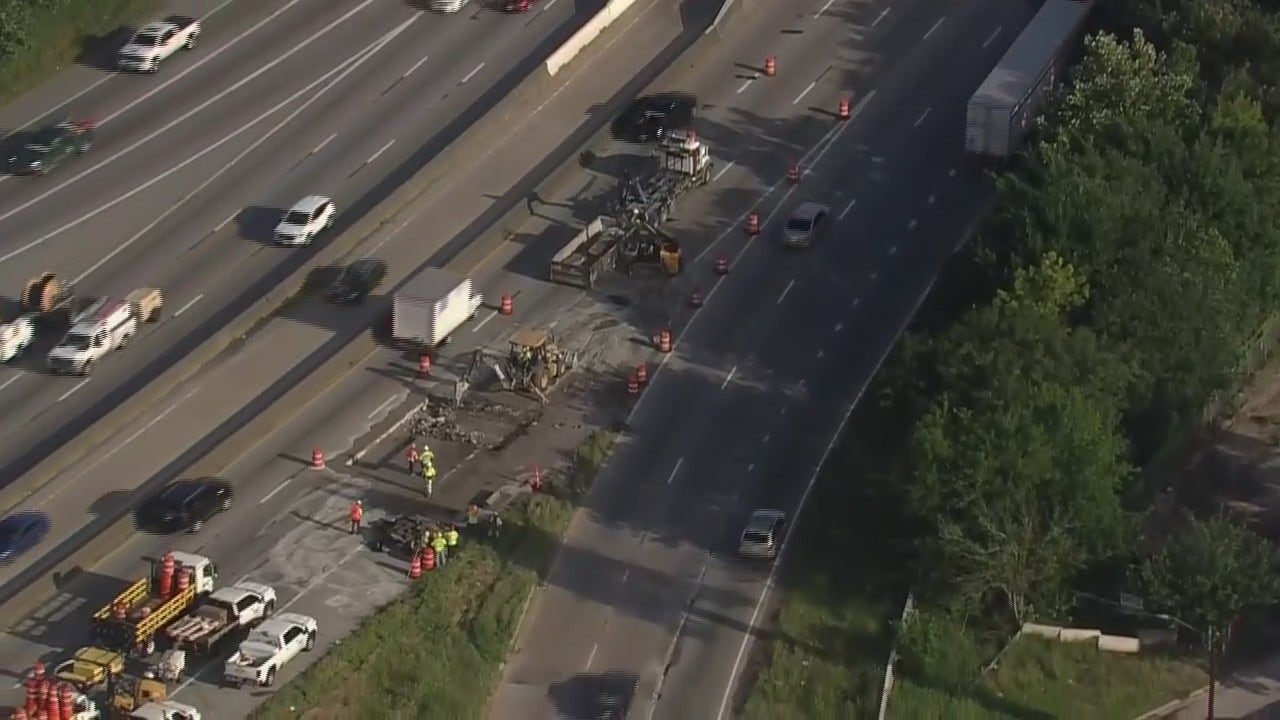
(357, 280)
(45, 149)
(185, 505)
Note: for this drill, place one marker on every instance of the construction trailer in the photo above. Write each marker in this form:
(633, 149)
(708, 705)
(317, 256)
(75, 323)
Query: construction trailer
(630, 233)
(1003, 111)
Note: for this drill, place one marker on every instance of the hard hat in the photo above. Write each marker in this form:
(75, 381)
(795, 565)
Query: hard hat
(359, 502)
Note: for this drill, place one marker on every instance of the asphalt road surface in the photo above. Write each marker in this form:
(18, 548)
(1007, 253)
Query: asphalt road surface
(193, 166)
(647, 586)
(247, 381)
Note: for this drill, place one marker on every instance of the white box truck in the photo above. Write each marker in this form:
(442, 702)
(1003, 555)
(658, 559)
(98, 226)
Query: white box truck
(431, 305)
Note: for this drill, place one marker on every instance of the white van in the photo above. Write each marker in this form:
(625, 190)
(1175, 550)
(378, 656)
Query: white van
(448, 6)
(104, 326)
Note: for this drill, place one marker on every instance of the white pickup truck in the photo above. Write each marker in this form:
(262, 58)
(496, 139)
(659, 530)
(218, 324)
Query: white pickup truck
(155, 42)
(268, 647)
(164, 710)
(225, 610)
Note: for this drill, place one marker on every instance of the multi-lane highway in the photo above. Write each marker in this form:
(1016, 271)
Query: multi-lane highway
(648, 586)
(192, 167)
(271, 507)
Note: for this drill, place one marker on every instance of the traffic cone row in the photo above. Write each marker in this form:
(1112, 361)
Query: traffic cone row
(46, 699)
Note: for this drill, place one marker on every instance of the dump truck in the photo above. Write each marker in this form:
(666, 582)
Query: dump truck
(1003, 111)
(225, 610)
(90, 668)
(131, 621)
(431, 306)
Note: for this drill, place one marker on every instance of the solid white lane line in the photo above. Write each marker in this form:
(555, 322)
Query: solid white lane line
(920, 119)
(847, 208)
(416, 65)
(549, 5)
(935, 27)
(723, 170)
(69, 393)
(471, 74)
(992, 36)
(746, 84)
(385, 404)
(800, 97)
(880, 16)
(371, 51)
(786, 290)
(181, 118)
(381, 150)
(824, 9)
(152, 423)
(277, 489)
(729, 378)
(228, 219)
(187, 307)
(326, 141)
(671, 478)
(492, 314)
(11, 380)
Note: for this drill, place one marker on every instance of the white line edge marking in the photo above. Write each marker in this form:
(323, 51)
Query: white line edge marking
(993, 36)
(12, 380)
(804, 498)
(723, 170)
(838, 327)
(416, 65)
(324, 142)
(358, 60)
(745, 85)
(277, 489)
(70, 392)
(935, 27)
(385, 404)
(549, 5)
(492, 314)
(786, 290)
(847, 208)
(729, 378)
(187, 307)
(223, 224)
(824, 9)
(881, 16)
(471, 74)
(920, 119)
(806, 91)
(381, 150)
(170, 125)
(675, 470)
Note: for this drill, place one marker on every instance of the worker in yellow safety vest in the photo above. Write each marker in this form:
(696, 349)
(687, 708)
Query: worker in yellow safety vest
(441, 546)
(451, 537)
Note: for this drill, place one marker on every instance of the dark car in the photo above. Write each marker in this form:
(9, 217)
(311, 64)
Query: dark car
(21, 532)
(357, 280)
(185, 505)
(652, 117)
(519, 6)
(45, 149)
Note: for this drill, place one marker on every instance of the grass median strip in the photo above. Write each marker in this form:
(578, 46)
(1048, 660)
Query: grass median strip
(39, 39)
(438, 650)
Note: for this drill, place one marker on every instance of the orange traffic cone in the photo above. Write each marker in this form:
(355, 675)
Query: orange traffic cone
(415, 566)
(722, 265)
(633, 384)
(793, 173)
(695, 298)
(424, 364)
(664, 341)
(753, 223)
(842, 110)
(642, 373)
(317, 459)
(508, 305)
(770, 66)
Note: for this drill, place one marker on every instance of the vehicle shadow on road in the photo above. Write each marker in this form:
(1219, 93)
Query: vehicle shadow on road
(258, 222)
(99, 51)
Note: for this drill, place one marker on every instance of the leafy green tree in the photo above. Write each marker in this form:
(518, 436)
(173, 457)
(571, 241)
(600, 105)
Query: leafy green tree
(1210, 571)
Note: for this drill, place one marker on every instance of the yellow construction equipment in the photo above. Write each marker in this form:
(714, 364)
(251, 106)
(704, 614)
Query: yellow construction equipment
(533, 364)
(128, 693)
(90, 667)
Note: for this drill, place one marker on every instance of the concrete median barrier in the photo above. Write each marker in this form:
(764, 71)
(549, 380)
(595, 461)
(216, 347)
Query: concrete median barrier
(585, 35)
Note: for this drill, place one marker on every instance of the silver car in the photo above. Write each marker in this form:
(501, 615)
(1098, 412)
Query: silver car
(806, 224)
(763, 535)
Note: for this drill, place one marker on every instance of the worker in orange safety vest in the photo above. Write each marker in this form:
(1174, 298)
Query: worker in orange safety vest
(411, 454)
(357, 514)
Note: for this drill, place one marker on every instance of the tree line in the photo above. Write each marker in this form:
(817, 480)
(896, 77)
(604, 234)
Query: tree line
(1131, 256)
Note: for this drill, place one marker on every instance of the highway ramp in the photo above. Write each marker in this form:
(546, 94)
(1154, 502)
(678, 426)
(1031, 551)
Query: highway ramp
(739, 417)
(193, 166)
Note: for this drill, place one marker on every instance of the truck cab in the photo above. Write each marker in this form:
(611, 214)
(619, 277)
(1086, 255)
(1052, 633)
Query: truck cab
(270, 645)
(104, 326)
